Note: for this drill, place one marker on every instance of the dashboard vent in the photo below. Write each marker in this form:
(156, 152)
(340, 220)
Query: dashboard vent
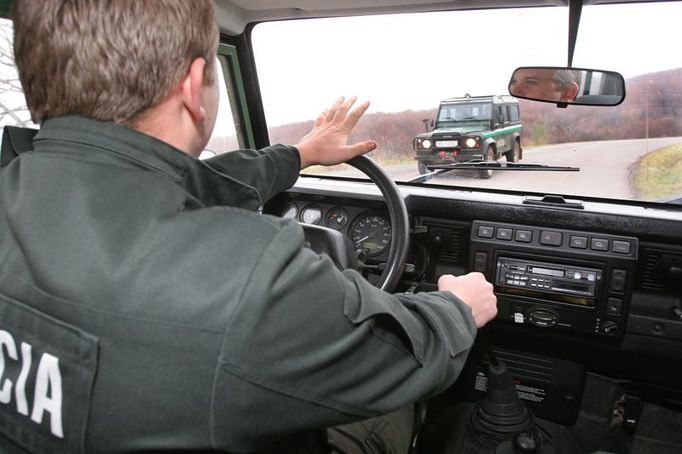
(450, 239)
(659, 268)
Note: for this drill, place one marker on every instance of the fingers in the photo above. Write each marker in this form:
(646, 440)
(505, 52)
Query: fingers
(331, 112)
(360, 148)
(474, 291)
(327, 142)
(353, 117)
(321, 118)
(338, 112)
(342, 111)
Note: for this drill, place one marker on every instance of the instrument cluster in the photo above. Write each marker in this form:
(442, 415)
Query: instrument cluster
(368, 229)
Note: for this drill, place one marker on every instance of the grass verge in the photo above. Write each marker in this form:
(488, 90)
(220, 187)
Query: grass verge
(658, 174)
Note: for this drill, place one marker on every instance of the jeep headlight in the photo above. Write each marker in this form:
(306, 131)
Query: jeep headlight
(423, 144)
(472, 142)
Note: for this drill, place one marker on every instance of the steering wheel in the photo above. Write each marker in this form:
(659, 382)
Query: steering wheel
(339, 248)
(400, 226)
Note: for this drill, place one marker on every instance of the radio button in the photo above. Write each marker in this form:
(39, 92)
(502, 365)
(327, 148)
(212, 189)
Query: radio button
(485, 231)
(621, 247)
(550, 238)
(578, 242)
(614, 306)
(504, 234)
(599, 244)
(618, 279)
(481, 261)
(523, 236)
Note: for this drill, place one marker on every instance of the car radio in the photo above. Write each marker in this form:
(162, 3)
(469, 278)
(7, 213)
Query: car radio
(576, 285)
(555, 278)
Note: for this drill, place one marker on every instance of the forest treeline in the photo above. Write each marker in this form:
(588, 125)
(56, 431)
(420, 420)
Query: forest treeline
(652, 108)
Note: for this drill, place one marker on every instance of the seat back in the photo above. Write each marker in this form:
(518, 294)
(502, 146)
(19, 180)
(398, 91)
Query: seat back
(15, 140)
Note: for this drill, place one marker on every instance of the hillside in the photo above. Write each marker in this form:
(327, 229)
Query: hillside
(648, 110)
(392, 131)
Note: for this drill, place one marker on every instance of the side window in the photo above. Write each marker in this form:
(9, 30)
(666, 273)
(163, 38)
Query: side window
(501, 114)
(514, 112)
(13, 110)
(229, 132)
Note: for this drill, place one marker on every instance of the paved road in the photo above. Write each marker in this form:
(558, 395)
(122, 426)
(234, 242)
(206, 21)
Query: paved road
(604, 169)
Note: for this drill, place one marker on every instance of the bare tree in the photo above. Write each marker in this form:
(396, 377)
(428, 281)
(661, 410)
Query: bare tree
(13, 110)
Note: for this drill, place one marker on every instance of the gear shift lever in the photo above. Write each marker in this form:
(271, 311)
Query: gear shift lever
(502, 416)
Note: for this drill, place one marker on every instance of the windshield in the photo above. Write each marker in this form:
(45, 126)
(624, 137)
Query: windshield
(462, 113)
(406, 65)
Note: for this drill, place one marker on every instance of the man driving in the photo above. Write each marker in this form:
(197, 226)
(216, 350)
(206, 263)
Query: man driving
(146, 302)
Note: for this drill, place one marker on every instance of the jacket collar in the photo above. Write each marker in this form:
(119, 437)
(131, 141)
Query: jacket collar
(117, 142)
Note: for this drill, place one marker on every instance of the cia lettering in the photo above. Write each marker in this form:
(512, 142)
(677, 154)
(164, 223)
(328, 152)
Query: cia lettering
(47, 395)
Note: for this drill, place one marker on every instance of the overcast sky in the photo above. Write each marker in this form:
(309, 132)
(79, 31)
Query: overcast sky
(413, 61)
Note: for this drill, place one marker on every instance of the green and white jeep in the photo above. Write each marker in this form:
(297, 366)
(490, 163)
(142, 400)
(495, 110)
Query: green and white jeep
(470, 129)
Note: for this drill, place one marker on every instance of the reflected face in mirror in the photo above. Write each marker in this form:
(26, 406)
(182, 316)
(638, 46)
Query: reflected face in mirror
(545, 84)
(563, 85)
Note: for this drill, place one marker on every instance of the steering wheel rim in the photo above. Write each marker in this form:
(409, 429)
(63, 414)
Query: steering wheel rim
(400, 226)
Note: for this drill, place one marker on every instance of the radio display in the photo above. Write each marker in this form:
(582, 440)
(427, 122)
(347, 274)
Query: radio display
(545, 271)
(551, 282)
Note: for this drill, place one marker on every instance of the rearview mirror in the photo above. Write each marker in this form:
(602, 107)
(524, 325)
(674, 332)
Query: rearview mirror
(565, 86)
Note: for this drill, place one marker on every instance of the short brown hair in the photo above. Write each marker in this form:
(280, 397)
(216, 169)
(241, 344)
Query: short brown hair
(108, 60)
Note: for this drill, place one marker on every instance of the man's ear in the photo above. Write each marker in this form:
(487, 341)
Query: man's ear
(572, 91)
(192, 86)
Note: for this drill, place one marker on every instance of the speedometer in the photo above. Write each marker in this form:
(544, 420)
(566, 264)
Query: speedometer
(371, 232)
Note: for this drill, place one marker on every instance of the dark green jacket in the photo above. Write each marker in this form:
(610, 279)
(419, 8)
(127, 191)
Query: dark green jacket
(182, 318)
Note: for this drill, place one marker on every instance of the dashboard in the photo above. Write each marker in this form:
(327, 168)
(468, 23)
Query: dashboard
(598, 283)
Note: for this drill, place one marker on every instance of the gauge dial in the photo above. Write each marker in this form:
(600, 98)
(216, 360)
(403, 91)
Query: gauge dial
(289, 210)
(371, 232)
(336, 218)
(312, 214)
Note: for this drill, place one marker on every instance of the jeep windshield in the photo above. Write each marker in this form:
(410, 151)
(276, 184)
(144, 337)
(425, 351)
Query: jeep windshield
(408, 64)
(453, 114)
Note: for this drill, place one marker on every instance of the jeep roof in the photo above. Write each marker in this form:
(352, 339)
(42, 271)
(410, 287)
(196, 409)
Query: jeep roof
(496, 99)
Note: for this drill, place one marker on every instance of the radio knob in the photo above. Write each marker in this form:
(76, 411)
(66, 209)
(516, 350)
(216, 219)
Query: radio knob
(609, 327)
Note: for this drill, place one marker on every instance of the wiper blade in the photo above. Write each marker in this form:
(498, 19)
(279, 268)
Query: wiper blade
(496, 165)
(478, 164)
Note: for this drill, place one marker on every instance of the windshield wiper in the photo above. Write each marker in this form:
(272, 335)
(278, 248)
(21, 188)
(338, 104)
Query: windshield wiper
(478, 164)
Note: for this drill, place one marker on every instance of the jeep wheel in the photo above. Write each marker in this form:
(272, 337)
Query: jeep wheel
(485, 174)
(422, 168)
(514, 155)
